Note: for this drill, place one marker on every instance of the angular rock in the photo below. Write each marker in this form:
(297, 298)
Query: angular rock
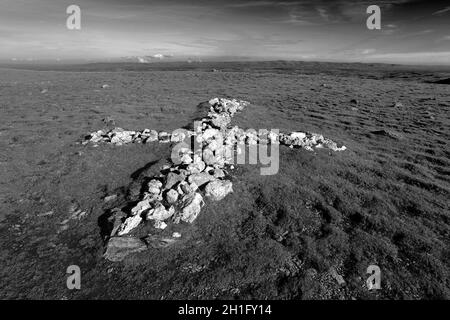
(200, 178)
(129, 224)
(218, 189)
(154, 186)
(196, 167)
(110, 198)
(297, 135)
(218, 173)
(186, 159)
(122, 137)
(172, 179)
(97, 136)
(327, 143)
(120, 247)
(150, 135)
(209, 157)
(177, 136)
(152, 197)
(163, 137)
(159, 212)
(185, 188)
(190, 208)
(171, 196)
(211, 134)
(273, 137)
(160, 224)
(115, 219)
(141, 207)
(251, 137)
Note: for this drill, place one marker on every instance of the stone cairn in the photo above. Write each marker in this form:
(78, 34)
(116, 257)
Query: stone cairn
(176, 194)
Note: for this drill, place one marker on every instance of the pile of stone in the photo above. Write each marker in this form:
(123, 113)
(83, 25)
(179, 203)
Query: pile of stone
(119, 136)
(177, 193)
(215, 132)
(174, 195)
(235, 135)
(308, 141)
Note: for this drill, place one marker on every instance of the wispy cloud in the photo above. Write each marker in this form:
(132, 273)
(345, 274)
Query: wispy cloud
(447, 9)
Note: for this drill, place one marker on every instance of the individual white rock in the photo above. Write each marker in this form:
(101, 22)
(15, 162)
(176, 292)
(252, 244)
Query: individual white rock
(171, 196)
(129, 224)
(200, 178)
(218, 173)
(191, 206)
(251, 137)
(214, 145)
(210, 134)
(154, 186)
(213, 101)
(163, 137)
(172, 179)
(298, 135)
(209, 157)
(196, 167)
(327, 143)
(150, 136)
(273, 137)
(193, 186)
(177, 136)
(110, 198)
(97, 136)
(159, 212)
(186, 159)
(152, 197)
(141, 207)
(218, 189)
(176, 235)
(160, 224)
(122, 137)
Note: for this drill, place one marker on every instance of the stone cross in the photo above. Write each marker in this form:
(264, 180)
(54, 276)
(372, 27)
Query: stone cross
(174, 195)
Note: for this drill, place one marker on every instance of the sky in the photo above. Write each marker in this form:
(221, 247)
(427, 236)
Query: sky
(412, 31)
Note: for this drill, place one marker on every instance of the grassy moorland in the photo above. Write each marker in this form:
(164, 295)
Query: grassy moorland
(383, 201)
